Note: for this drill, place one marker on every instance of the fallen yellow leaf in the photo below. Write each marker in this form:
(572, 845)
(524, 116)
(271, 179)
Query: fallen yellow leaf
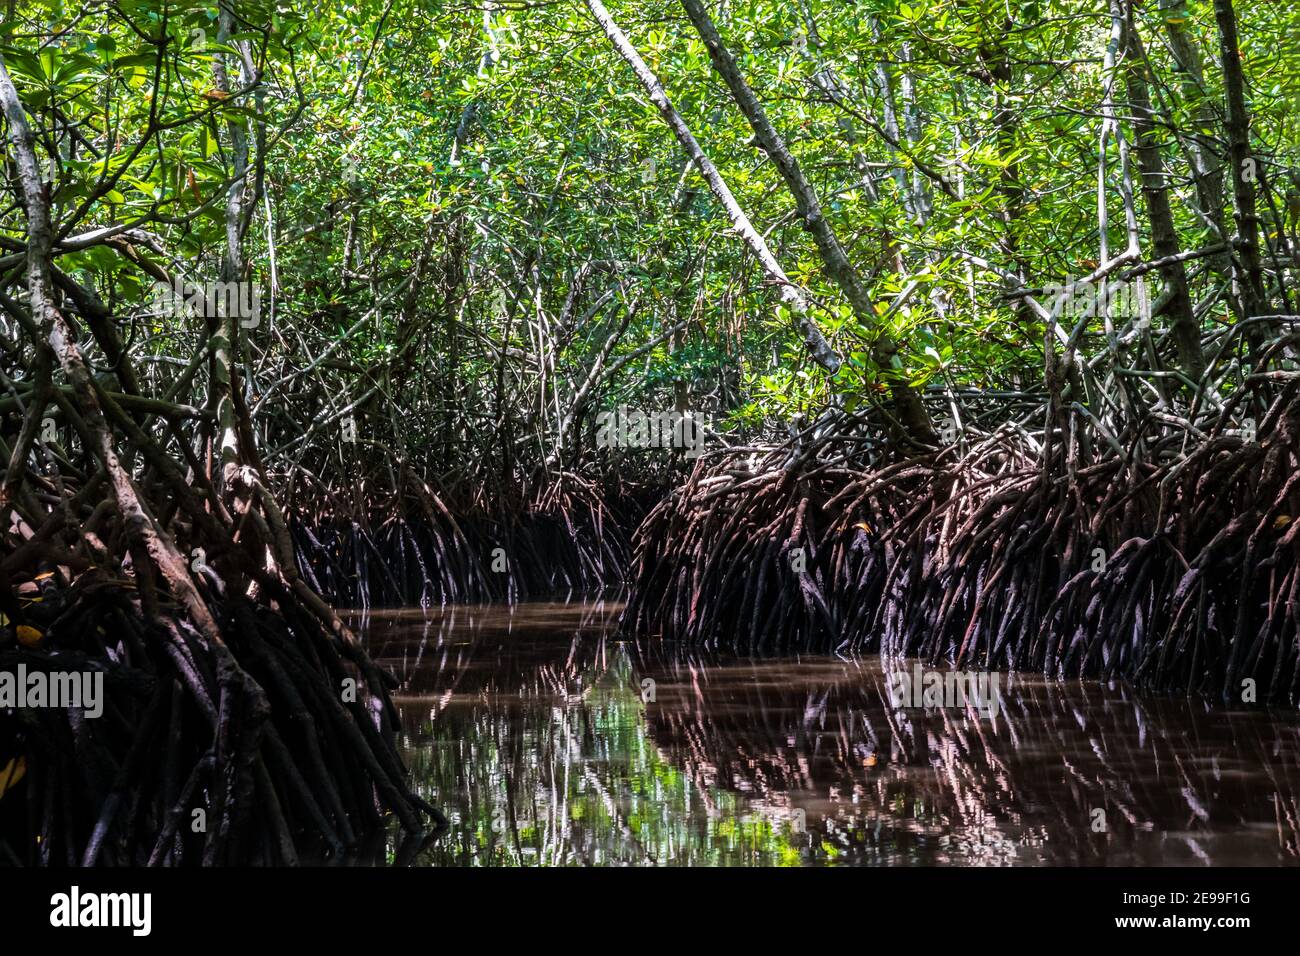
(11, 773)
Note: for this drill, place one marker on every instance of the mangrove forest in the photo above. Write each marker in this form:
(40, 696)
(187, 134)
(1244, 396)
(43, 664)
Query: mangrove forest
(530, 433)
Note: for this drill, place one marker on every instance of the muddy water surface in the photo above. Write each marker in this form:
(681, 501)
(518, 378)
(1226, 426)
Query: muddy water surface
(550, 742)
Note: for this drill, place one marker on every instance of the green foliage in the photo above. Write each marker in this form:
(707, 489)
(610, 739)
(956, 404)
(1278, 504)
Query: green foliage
(504, 162)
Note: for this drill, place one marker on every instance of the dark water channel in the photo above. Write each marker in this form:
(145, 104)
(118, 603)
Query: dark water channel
(549, 742)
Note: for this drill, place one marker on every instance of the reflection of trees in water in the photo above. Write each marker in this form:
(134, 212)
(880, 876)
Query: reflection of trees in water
(1175, 780)
(528, 726)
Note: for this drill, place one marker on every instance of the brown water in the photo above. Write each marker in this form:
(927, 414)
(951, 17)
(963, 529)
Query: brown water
(534, 730)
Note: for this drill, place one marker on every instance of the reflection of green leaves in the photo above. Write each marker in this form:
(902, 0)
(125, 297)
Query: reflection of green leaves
(616, 783)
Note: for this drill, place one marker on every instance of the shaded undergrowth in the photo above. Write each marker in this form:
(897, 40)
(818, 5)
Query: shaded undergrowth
(413, 548)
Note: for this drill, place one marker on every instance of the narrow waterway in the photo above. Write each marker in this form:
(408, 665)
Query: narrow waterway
(549, 742)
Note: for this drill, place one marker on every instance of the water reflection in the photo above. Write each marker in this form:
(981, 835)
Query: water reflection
(550, 743)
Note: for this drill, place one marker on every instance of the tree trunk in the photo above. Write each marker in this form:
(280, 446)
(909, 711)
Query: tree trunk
(907, 402)
(791, 295)
(1206, 167)
(1249, 270)
(1155, 190)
